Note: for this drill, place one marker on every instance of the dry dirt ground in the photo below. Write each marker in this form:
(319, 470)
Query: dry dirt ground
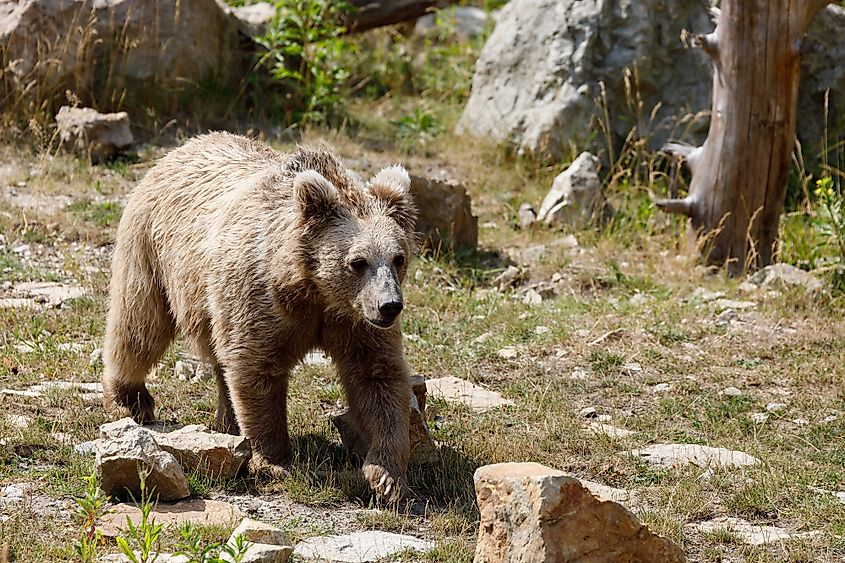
(628, 325)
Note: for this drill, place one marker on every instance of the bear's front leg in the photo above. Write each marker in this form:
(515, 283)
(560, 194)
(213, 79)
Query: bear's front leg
(378, 390)
(260, 404)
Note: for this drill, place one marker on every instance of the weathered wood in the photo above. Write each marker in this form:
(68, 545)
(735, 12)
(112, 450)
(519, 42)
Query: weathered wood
(369, 14)
(740, 173)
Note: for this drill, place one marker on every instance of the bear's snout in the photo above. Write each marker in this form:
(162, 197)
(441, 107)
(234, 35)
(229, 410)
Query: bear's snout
(390, 309)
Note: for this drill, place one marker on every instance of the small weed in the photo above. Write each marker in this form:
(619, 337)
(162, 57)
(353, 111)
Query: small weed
(89, 509)
(146, 534)
(605, 363)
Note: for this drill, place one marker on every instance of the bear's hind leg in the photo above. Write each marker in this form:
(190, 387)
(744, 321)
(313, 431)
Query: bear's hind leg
(139, 328)
(225, 421)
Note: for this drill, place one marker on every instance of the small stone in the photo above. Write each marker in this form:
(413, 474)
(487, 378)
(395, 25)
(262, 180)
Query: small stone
(566, 242)
(661, 388)
(204, 512)
(456, 390)
(532, 297)
(90, 133)
(632, 367)
(541, 330)
(722, 304)
(638, 299)
(801, 422)
(183, 370)
(674, 455)
(118, 460)
(86, 448)
(589, 412)
(24, 348)
(482, 338)
(576, 198)
(759, 417)
(96, 356)
(527, 508)
(264, 553)
(508, 278)
(74, 347)
(358, 547)
(532, 255)
(731, 392)
(527, 216)
(704, 295)
(784, 276)
(579, 374)
(508, 353)
(830, 418)
(316, 358)
(775, 407)
(725, 317)
(748, 532)
(259, 532)
(17, 420)
(604, 418)
(609, 431)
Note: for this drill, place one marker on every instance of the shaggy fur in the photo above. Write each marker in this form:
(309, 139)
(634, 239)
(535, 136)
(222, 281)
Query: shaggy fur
(256, 258)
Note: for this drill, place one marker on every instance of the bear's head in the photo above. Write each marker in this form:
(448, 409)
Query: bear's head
(357, 242)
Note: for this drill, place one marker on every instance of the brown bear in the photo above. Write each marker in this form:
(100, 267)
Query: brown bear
(258, 257)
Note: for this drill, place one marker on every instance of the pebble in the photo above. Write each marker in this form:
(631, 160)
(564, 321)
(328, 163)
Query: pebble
(661, 388)
(508, 353)
(731, 392)
(775, 407)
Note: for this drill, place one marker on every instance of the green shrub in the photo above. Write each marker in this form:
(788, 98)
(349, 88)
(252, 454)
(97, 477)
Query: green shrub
(302, 46)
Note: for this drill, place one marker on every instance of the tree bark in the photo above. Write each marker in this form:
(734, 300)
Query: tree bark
(369, 14)
(740, 174)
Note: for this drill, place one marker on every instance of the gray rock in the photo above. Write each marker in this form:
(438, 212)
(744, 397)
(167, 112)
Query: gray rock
(464, 21)
(539, 75)
(358, 547)
(527, 216)
(252, 19)
(118, 461)
(92, 134)
(53, 294)
(782, 276)
(265, 553)
(775, 407)
(457, 390)
(673, 455)
(576, 199)
(444, 213)
(749, 533)
(731, 392)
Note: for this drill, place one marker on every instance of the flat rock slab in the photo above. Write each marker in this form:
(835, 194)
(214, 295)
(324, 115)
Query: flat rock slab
(673, 455)
(86, 391)
(358, 547)
(535, 514)
(50, 293)
(457, 390)
(750, 533)
(198, 511)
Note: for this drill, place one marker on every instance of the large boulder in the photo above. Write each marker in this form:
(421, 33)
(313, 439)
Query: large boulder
(540, 74)
(534, 514)
(538, 77)
(104, 50)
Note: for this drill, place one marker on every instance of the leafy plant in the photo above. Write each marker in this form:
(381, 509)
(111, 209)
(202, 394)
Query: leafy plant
(421, 124)
(304, 43)
(192, 547)
(146, 534)
(90, 508)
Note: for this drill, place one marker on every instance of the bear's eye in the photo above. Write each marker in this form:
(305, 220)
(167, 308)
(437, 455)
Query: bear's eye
(399, 261)
(358, 265)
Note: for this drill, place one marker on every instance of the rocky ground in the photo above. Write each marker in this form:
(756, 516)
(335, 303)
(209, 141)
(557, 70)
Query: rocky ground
(712, 408)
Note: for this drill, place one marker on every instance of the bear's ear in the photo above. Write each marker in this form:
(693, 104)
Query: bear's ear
(315, 196)
(391, 186)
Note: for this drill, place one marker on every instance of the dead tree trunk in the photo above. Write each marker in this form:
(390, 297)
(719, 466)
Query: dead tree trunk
(369, 14)
(739, 175)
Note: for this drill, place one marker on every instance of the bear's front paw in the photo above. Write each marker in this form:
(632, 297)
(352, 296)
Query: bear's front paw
(261, 467)
(386, 486)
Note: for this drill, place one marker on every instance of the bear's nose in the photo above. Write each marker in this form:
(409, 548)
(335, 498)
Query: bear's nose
(390, 309)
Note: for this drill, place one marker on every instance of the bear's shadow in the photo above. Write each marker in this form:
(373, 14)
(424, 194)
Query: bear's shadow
(329, 470)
